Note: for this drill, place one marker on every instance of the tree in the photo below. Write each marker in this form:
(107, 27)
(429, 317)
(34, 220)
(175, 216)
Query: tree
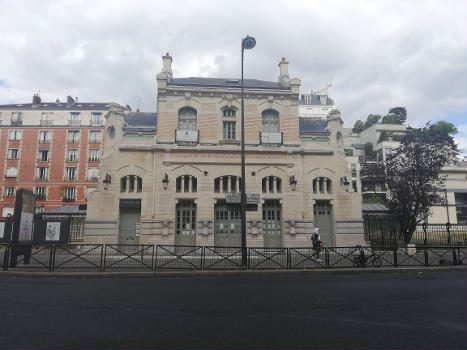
(358, 126)
(412, 177)
(441, 129)
(369, 153)
(372, 119)
(399, 115)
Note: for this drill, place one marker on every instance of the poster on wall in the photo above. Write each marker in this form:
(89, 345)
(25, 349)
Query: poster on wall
(52, 231)
(27, 216)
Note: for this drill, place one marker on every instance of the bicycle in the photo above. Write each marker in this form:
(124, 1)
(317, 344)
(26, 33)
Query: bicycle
(362, 260)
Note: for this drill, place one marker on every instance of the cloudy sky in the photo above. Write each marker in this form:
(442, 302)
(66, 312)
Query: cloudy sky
(377, 54)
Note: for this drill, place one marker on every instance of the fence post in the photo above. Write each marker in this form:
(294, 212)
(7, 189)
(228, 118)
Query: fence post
(454, 256)
(326, 257)
(426, 255)
(425, 226)
(248, 265)
(448, 228)
(288, 258)
(103, 256)
(395, 256)
(203, 256)
(51, 257)
(153, 265)
(6, 257)
(155, 258)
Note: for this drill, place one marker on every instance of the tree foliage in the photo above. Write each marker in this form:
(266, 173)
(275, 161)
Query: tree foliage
(411, 174)
(369, 153)
(396, 115)
(358, 126)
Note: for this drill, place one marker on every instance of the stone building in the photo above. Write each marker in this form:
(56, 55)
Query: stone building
(169, 180)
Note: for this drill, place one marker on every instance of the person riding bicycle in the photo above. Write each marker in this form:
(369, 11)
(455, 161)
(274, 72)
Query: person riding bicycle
(316, 242)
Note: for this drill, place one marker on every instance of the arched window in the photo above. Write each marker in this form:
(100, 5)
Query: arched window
(131, 183)
(271, 184)
(227, 183)
(322, 185)
(186, 183)
(270, 121)
(187, 119)
(229, 112)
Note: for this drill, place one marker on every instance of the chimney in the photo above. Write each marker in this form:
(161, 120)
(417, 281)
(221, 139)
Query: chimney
(167, 65)
(57, 100)
(284, 78)
(76, 99)
(36, 99)
(69, 100)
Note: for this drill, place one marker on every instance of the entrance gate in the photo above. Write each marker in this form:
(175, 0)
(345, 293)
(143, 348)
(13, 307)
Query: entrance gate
(185, 223)
(323, 220)
(272, 231)
(227, 225)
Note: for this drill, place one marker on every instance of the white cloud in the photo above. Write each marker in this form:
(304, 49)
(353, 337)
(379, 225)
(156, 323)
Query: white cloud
(378, 55)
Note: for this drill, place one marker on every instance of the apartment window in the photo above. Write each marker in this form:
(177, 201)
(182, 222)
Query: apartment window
(70, 173)
(229, 130)
(69, 194)
(42, 173)
(187, 119)
(96, 119)
(13, 153)
(16, 118)
(93, 174)
(45, 136)
(14, 135)
(74, 118)
(354, 186)
(131, 183)
(72, 155)
(11, 172)
(95, 136)
(94, 155)
(73, 136)
(461, 207)
(46, 119)
(40, 193)
(9, 192)
(43, 155)
(353, 167)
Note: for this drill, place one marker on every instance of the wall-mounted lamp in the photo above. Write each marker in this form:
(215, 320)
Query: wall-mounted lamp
(345, 183)
(107, 181)
(165, 181)
(293, 183)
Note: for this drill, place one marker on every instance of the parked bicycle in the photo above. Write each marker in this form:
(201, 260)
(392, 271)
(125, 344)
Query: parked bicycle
(362, 259)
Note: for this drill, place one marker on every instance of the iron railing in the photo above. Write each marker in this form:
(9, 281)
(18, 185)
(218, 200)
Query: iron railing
(104, 257)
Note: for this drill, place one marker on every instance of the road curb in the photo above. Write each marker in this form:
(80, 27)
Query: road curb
(225, 273)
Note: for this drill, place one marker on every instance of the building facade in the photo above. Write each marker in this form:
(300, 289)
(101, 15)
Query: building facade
(316, 104)
(52, 149)
(176, 184)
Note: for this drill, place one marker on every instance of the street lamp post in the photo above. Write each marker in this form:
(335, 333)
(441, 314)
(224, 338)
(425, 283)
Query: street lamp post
(247, 43)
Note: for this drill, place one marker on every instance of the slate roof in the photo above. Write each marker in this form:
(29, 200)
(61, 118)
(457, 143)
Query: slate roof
(315, 100)
(308, 125)
(59, 106)
(140, 121)
(227, 82)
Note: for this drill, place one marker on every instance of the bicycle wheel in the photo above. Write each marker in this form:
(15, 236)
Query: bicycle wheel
(377, 262)
(356, 261)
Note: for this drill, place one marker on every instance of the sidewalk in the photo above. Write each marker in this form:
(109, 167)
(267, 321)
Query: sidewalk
(226, 273)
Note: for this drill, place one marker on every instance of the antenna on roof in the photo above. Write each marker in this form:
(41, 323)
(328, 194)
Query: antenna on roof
(138, 102)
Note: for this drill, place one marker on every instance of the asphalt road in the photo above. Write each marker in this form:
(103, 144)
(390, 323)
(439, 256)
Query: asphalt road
(398, 310)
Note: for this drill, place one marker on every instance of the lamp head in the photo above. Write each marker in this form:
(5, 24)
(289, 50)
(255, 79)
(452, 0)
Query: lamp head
(248, 42)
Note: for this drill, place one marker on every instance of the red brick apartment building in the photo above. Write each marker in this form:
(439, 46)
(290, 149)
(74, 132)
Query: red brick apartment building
(52, 149)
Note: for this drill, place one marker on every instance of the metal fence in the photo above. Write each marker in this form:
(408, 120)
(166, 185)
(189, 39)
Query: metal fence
(382, 230)
(115, 257)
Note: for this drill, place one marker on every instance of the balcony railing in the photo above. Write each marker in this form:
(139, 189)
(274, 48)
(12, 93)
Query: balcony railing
(96, 123)
(41, 178)
(73, 140)
(68, 198)
(46, 141)
(74, 122)
(271, 138)
(47, 122)
(40, 196)
(187, 137)
(69, 178)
